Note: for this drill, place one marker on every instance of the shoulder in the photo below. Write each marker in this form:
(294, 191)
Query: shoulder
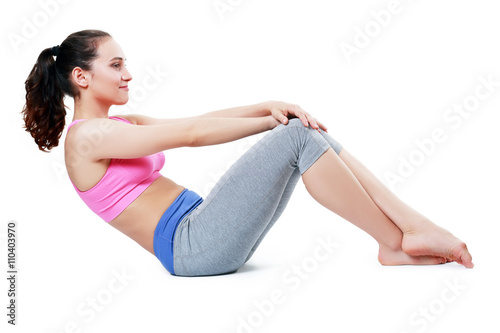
(90, 132)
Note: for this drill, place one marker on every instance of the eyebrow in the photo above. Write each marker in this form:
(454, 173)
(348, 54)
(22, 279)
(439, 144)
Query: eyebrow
(117, 58)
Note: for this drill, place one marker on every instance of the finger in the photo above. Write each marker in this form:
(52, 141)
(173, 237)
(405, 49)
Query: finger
(299, 113)
(312, 121)
(322, 126)
(280, 116)
(302, 118)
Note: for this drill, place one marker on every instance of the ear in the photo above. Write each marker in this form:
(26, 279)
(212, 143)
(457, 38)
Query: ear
(80, 77)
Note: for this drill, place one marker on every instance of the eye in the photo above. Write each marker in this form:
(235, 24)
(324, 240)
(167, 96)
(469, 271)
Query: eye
(116, 65)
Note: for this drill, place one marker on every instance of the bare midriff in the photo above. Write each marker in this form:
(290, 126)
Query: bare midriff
(139, 219)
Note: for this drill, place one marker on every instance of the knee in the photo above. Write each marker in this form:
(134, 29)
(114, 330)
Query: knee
(322, 138)
(295, 122)
(296, 129)
(292, 123)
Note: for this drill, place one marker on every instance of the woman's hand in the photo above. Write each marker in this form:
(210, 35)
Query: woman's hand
(272, 122)
(282, 111)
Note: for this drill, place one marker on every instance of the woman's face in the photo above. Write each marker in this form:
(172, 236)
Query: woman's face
(109, 77)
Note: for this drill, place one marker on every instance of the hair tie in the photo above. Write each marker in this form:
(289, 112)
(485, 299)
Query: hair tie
(55, 51)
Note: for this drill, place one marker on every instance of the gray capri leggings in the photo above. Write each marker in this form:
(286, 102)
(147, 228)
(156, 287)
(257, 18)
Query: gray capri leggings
(223, 232)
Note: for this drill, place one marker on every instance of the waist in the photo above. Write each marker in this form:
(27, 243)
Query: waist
(139, 220)
(163, 243)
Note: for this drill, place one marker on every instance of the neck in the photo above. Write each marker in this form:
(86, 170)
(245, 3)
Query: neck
(85, 109)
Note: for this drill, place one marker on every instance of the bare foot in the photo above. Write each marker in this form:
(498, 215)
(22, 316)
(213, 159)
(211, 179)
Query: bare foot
(432, 240)
(390, 257)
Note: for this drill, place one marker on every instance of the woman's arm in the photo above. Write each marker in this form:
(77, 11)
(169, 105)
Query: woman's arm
(105, 138)
(247, 111)
(212, 131)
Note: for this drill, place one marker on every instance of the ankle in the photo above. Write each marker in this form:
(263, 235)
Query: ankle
(393, 245)
(417, 225)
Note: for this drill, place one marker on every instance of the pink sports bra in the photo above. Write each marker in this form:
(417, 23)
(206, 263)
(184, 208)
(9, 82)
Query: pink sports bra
(123, 182)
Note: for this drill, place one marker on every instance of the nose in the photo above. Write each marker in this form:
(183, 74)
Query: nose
(126, 75)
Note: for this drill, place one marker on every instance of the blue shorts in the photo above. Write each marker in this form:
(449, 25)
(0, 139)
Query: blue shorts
(163, 241)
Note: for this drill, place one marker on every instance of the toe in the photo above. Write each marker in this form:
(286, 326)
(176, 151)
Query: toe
(462, 256)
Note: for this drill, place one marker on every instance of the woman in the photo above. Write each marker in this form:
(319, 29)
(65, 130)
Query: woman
(114, 163)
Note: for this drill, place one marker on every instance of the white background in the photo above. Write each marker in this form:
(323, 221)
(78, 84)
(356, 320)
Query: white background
(395, 90)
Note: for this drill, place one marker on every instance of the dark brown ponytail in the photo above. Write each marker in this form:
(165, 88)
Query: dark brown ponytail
(50, 80)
